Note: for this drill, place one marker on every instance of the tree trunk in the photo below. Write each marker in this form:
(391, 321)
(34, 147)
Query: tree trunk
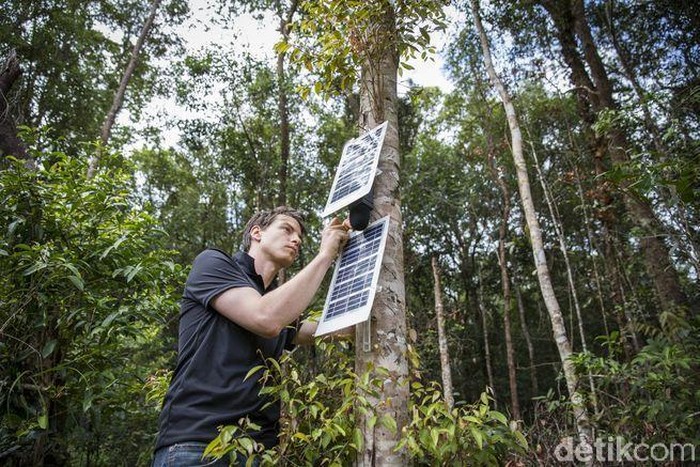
(442, 338)
(282, 104)
(10, 144)
(543, 275)
(485, 334)
(474, 293)
(592, 248)
(387, 346)
(505, 285)
(118, 100)
(283, 109)
(528, 341)
(656, 253)
(559, 230)
(569, 17)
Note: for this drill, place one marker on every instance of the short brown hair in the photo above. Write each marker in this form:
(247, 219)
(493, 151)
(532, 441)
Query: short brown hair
(264, 218)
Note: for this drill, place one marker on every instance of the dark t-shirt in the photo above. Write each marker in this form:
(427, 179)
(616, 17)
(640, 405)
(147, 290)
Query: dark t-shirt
(214, 356)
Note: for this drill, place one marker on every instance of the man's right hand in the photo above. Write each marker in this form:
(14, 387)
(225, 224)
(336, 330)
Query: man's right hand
(334, 237)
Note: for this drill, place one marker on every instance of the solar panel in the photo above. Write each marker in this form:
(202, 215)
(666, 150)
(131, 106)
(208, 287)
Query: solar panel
(356, 170)
(350, 296)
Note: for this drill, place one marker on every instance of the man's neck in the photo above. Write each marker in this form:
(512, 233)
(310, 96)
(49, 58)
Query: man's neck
(265, 268)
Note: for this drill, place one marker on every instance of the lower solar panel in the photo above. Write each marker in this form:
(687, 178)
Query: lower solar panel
(351, 293)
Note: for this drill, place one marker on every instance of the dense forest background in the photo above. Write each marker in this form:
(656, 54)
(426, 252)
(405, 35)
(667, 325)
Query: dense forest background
(102, 210)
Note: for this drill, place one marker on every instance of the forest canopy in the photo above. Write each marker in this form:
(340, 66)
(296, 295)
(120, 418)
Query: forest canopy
(548, 205)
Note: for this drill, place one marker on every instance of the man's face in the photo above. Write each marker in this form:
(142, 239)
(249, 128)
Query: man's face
(281, 240)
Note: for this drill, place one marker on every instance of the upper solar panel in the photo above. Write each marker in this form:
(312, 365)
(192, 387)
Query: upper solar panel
(356, 170)
(350, 296)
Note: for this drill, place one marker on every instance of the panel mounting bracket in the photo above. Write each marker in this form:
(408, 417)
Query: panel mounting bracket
(365, 330)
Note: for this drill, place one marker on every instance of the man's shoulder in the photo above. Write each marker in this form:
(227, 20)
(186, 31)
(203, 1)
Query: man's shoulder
(214, 271)
(214, 261)
(215, 253)
(216, 257)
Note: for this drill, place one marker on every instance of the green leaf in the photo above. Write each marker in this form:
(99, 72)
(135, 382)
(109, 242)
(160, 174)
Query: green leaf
(435, 436)
(48, 348)
(371, 422)
(520, 439)
(358, 438)
(388, 422)
(113, 246)
(252, 371)
(484, 398)
(87, 402)
(77, 282)
(499, 416)
(478, 436)
(108, 320)
(302, 437)
(39, 265)
(134, 270)
(43, 421)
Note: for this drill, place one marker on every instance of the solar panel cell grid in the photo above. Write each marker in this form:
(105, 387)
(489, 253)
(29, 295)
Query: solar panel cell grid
(355, 277)
(356, 170)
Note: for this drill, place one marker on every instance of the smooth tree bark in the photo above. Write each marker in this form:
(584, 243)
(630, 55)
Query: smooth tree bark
(534, 386)
(118, 100)
(387, 347)
(485, 335)
(505, 284)
(285, 18)
(442, 337)
(559, 230)
(558, 326)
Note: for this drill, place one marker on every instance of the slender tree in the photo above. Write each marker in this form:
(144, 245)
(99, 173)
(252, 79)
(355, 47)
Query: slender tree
(285, 18)
(559, 230)
(528, 340)
(485, 333)
(118, 100)
(442, 337)
(543, 274)
(505, 283)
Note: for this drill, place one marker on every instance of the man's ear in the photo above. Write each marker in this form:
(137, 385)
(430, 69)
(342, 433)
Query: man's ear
(255, 233)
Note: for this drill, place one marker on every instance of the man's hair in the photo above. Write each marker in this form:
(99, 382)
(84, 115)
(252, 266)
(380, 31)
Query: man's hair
(264, 218)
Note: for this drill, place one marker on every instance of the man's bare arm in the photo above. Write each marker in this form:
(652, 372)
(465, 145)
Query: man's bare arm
(266, 315)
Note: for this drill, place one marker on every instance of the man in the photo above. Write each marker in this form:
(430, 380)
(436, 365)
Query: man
(233, 318)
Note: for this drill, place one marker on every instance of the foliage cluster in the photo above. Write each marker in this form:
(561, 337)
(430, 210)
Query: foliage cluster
(85, 289)
(346, 34)
(74, 57)
(654, 396)
(320, 425)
